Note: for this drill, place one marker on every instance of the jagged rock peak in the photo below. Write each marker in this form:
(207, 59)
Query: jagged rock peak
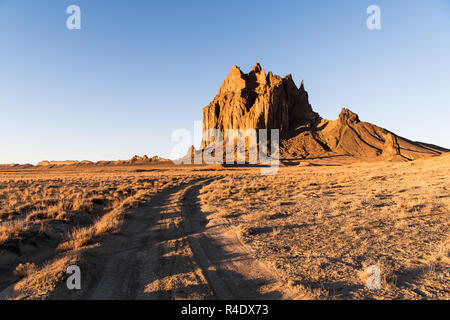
(256, 78)
(257, 101)
(257, 68)
(348, 117)
(234, 81)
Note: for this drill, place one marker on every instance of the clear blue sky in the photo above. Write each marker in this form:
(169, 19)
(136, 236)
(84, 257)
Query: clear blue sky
(137, 70)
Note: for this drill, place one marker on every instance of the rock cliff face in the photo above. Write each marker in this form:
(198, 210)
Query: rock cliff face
(266, 101)
(257, 101)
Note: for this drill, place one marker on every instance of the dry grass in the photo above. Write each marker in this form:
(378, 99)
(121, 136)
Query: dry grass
(53, 196)
(25, 270)
(320, 226)
(323, 225)
(77, 239)
(11, 230)
(65, 211)
(37, 283)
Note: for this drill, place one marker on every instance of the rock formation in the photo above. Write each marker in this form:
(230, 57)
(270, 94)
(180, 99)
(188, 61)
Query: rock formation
(46, 163)
(266, 101)
(257, 101)
(136, 160)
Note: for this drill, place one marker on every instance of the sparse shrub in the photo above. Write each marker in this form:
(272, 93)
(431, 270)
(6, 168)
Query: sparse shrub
(12, 230)
(36, 215)
(258, 216)
(24, 270)
(78, 238)
(276, 231)
(108, 224)
(37, 283)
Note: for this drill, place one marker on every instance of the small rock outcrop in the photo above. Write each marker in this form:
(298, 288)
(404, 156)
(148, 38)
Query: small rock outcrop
(46, 163)
(391, 147)
(347, 117)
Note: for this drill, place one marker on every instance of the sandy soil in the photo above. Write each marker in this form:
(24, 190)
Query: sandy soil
(167, 251)
(221, 233)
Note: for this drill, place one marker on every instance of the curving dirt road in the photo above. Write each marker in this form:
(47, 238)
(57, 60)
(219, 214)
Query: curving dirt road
(166, 250)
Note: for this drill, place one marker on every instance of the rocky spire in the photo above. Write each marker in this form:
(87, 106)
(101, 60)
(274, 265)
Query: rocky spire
(234, 82)
(348, 117)
(257, 101)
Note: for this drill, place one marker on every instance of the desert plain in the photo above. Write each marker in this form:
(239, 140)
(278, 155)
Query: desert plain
(161, 231)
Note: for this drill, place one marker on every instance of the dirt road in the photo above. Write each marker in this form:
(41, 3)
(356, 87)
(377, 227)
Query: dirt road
(167, 250)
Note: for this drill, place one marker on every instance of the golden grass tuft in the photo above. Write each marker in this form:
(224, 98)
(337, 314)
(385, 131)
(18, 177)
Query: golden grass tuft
(39, 282)
(12, 230)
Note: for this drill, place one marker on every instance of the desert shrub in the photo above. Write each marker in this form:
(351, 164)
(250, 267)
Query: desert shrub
(24, 270)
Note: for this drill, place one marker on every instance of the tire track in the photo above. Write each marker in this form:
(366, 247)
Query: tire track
(168, 250)
(229, 266)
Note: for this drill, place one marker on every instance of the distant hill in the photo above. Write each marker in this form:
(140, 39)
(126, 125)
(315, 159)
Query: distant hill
(136, 160)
